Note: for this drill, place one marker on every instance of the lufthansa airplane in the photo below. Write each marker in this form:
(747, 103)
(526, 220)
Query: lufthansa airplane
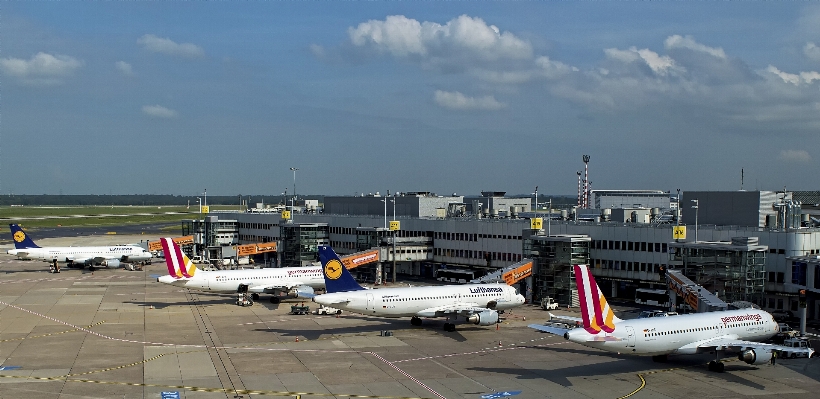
(472, 303)
(110, 256)
(723, 332)
(292, 281)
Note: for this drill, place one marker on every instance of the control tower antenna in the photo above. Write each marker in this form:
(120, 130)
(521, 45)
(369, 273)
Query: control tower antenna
(579, 188)
(585, 158)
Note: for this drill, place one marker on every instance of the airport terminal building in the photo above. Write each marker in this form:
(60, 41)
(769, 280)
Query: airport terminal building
(753, 246)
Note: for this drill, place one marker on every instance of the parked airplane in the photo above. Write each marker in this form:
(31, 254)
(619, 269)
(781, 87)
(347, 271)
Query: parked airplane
(109, 256)
(473, 303)
(293, 281)
(730, 331)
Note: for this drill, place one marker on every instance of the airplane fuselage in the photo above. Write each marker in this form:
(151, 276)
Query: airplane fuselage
(410, 301)
(255, 279)
(681, 334)
(131, 253)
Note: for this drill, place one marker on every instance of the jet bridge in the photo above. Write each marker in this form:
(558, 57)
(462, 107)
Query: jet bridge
(694, 295)
(511, 274)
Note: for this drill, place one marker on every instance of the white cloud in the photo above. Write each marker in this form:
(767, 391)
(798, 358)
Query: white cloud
(167, 46)
(125, 68)
(795, 79)
(461, 37)
(660, 65)
(42, 68)
(811, 51)
(795, 156)
(158, 111)
(456, 100)
(678, 41)
(787, 77)
(553, 69)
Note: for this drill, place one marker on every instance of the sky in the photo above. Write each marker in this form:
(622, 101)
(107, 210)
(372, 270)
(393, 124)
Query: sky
(440, 96)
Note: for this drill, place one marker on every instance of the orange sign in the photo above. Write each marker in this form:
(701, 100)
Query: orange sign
(251, 249)
(519, 273)
(184, 240)
(357, 260)
(688, 296)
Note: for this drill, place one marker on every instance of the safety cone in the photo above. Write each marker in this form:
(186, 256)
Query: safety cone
(525, 318)
(337, 315)
(297, 339)
(499, 343)
(496, 326)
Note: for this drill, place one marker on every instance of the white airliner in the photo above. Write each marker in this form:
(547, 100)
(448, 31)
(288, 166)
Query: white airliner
(292, 281)
(473, 303)
(110, 256)
(731, 331)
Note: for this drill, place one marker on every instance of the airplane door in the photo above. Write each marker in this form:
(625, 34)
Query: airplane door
(369, 301)
(630, 337)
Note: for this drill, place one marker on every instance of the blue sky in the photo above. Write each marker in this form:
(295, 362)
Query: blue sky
(176, 97)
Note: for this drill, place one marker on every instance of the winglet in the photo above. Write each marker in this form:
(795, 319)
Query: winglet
(337, 277)
(595, 311)
(20, 238)
(178, 264)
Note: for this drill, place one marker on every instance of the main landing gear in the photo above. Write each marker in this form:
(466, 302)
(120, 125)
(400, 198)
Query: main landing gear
(415, 321)
(449, 327)
(275, 300)
(716, 366)
(255, 296)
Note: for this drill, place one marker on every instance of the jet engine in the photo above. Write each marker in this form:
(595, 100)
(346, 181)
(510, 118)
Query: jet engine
(111, 263)
(753, 356)
(484, 318)
(297, 292)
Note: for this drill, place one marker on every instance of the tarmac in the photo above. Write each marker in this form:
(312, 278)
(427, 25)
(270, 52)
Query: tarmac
(119, 334)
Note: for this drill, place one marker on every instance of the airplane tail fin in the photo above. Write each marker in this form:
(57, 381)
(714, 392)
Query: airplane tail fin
(21, 239)
(337, 277)
(179, 265)
(597, 315)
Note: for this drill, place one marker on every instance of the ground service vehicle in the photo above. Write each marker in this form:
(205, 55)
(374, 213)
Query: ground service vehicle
(325, 310)
(798, 344)
(548, 304)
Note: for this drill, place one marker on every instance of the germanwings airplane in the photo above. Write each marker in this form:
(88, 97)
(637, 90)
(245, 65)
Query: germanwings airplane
(293, 281)
(731, 331)
(110, 256)
(472, 303)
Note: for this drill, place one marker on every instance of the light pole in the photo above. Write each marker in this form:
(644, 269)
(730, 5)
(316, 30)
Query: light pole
(677, 216)
(294, 181)
(695, 207)
(394, 239)
(385, 212)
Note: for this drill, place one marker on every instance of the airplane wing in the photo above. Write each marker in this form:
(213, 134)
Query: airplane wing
(567, 319)
(452, 309)
(302, 290)
(731, 344)
(549, 329)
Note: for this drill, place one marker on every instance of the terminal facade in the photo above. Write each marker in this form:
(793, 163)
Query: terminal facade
(764, 254)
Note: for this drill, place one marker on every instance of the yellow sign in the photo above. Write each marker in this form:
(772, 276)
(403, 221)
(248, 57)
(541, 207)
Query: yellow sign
(206, 209)
(395, 225)
(285, 214)
(536, 223)
(679, 232)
